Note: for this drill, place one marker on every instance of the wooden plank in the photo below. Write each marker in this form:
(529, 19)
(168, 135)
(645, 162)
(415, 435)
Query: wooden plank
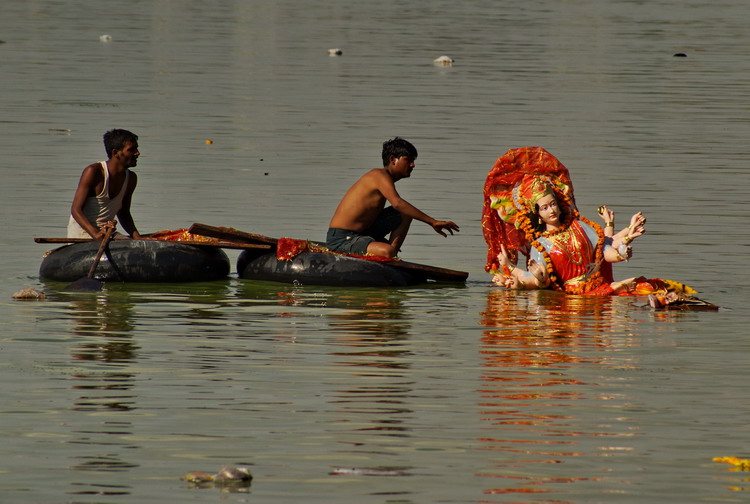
(197, 243)
(222, 244)
(428, 272)
(63, 240)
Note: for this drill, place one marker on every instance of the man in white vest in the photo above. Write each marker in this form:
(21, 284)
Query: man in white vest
(106, 188)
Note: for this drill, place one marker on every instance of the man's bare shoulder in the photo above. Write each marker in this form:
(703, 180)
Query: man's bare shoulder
(376, 177)
(94, 166)
(374, 173)
(132, 180)
(94, 172)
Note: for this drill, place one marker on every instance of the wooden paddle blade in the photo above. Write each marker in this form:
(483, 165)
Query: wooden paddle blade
(85, 284)
(89, 282)
(230, 234)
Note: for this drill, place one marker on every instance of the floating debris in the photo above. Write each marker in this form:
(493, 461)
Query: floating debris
(443, 61)
(60, 131)
(738, 463)
(679, 301)
(29, 294)
(209, 141)
(335, 52)
(228, 476)
(198, 477)
(368, 471)
(680, 55)
(105, 38)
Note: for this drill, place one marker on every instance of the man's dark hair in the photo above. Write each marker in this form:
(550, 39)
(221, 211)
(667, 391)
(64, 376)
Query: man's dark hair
(398, 147)
(115, 139)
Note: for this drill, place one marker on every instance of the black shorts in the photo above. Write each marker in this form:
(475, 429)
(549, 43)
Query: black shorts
(353, 242)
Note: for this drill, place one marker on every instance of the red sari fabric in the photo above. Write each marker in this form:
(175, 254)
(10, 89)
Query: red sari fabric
(572, 254)
(574, 258)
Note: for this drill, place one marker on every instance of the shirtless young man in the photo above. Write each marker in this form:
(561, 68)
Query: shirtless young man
(361, 222)
(106, 188)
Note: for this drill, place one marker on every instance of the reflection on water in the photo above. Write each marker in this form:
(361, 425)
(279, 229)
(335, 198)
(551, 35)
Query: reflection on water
(104, 324)
(371, 341)
(533, 350)
(107, 326)
(360, 350)
(374, 404)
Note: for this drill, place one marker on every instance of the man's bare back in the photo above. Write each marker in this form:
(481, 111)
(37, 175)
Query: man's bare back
(362, 202)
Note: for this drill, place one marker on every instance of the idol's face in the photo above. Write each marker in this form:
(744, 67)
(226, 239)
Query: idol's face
(549, 212)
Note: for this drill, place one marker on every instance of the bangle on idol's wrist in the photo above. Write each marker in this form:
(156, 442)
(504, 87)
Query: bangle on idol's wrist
(609, 224)
(627, 239)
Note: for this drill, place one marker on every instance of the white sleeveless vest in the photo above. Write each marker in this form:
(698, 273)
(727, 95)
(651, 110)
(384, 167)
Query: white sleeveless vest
(99, 209)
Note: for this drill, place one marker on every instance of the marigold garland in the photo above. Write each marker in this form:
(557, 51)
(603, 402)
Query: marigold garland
(181, 234)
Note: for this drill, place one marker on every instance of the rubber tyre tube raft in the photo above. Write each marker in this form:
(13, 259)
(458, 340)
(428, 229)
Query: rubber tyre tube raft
(137, 261)
(316, 268)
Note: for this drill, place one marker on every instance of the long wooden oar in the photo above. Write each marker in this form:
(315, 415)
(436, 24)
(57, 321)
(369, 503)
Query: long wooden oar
(89, 283)
(231, 234)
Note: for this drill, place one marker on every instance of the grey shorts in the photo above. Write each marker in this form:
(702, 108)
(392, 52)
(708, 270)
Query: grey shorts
(353, 242)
